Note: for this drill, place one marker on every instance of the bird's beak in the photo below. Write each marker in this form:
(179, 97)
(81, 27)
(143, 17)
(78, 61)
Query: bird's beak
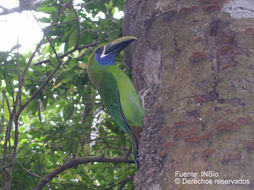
(119, 44)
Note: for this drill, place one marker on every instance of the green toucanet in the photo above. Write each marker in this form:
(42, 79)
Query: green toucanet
(116, 89)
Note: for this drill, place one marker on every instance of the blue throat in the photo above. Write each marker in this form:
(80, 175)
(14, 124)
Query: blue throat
(107, 60)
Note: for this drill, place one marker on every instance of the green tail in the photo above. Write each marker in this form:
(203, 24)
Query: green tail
(134, 148)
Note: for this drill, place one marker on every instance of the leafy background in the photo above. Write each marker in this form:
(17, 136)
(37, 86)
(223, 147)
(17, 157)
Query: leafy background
(65, 119)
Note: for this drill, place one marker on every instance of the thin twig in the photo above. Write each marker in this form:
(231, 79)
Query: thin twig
(8, 139)
(27, 170)
(7, 102)
(122, 183)
(68, 53)
(8, 78)
(4, 9)
(16, 103)
(16, 136)
(19, 77)
(50, 41)
(8, 129)
(2, 120)
(21, 165)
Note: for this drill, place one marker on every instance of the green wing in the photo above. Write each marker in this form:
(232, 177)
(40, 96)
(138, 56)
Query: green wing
(108, 90)
(129, 99)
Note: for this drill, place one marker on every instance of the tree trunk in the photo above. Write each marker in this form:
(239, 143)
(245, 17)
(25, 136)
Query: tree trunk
(193, 64)
(6, 180)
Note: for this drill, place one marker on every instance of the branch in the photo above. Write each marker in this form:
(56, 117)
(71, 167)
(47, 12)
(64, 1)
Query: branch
(19, 77)
(8, 78)
(75, 162)
(6, 11)
(16, 103)
(16, 138)
(7, 102)
(27, 5)
(50, 42)
(8, 128)
(8, 131)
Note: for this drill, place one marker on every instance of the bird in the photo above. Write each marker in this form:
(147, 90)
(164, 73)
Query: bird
(116, 89)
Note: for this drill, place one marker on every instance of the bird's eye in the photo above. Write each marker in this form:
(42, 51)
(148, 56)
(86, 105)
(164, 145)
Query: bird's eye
(99, 50)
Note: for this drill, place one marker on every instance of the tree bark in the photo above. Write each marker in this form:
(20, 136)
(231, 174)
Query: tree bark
(193, 65)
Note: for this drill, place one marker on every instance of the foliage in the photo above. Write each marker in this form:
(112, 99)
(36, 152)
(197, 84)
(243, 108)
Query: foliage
(59, 114)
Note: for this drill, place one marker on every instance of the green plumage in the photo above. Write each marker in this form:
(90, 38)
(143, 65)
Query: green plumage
(119, 96)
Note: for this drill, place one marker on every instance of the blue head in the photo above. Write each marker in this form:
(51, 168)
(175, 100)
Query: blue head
(105, 55)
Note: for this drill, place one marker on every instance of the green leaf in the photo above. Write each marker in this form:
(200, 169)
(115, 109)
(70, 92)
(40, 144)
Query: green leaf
(47, 9)
(44, 20)
(6, 111)
(72, 39)
(53, 60)
(68, 111)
